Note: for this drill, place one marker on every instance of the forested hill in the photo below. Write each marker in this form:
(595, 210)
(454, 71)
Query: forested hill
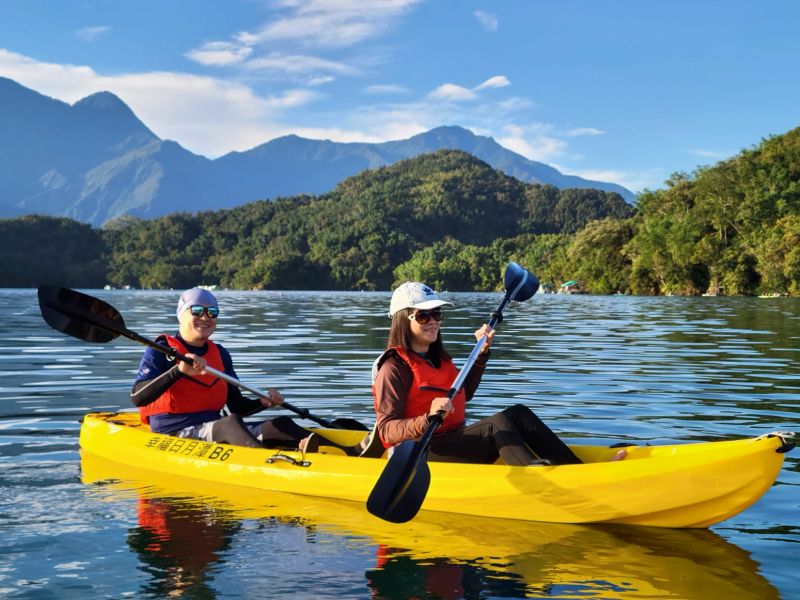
(351, 238)
(452, 221)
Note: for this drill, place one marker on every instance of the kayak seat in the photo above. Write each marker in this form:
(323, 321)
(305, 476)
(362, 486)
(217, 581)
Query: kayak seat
(369, 447)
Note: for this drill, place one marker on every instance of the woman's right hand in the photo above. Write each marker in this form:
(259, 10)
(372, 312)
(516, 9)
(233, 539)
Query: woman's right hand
(444, 403)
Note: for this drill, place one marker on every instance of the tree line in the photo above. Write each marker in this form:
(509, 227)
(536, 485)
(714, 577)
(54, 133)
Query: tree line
(451, 220)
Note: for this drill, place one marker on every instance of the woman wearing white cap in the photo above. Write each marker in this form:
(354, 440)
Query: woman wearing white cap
(182, 399)
(411, 380)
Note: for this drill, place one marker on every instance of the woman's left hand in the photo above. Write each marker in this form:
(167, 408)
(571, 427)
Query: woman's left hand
(273, 398)
(489, 333)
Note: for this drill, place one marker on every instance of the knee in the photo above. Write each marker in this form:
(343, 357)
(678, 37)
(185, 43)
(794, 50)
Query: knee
(228, 422)
(519, 413)
(228, 429)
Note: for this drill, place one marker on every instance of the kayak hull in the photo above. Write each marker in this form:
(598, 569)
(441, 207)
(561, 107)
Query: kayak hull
(685, 485)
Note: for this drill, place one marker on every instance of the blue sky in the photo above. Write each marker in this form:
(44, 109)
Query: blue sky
(628, 91)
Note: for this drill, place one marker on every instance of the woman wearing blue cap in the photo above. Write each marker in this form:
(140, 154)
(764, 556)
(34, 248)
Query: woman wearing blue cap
(178, 398)
(411, 381)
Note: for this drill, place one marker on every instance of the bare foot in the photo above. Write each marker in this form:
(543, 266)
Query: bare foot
(620, 455)
(303, 443)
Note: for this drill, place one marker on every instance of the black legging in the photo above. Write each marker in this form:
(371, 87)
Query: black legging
(516, 435)
(278, 432)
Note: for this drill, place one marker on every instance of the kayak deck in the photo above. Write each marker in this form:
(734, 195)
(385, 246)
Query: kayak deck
(683, 485)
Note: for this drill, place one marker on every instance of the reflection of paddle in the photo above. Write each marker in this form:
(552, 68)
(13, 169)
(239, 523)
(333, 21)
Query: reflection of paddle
(93, 320)
(403, 485)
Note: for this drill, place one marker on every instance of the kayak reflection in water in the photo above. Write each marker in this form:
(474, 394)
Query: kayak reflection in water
(178, 543)
(411, 380)
(399, 576)
(182, 399)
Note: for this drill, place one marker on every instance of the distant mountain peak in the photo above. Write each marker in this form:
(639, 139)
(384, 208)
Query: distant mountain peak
(102, 100)
(111, 111)
(95, 160)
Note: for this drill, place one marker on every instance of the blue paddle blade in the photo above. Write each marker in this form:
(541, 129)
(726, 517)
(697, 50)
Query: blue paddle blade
(519, 283)
(401, 489)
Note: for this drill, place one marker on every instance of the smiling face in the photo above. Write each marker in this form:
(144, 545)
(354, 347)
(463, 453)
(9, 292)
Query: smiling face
(196, 330)
(423, 334)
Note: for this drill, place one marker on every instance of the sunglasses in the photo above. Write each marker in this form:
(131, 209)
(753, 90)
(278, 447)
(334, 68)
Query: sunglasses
(424, 316)
(197, 311)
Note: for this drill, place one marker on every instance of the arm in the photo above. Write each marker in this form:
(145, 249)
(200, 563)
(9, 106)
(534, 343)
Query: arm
(475, 374)
(392, 386)
(155, 376)
(473, 380)
(236, 401)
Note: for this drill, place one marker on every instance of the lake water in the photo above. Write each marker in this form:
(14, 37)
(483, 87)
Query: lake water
(597, 369)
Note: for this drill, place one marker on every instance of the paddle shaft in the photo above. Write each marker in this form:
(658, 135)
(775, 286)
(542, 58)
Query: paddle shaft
(108, 325)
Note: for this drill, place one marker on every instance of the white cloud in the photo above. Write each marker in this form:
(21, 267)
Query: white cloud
(516, 103)
(219, 54)
(386, 89)
(205, 115)
(211, 116)
(489, 21)
(535, 142)
(90, 34)
(636, 181)
(298, 64)
(452, 92)
(581, 131)
(497, 81)
(329, 23)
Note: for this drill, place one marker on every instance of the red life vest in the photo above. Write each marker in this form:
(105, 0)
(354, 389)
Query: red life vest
(191, 394)
(429, 383)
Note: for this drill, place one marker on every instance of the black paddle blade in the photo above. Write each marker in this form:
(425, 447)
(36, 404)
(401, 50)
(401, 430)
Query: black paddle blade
(519, 283)
(79, 315)
(400, 490)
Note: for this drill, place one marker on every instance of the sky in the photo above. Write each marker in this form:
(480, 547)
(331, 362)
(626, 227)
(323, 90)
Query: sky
(625, 91)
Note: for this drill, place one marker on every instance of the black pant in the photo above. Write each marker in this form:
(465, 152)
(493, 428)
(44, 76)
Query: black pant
(516, 435)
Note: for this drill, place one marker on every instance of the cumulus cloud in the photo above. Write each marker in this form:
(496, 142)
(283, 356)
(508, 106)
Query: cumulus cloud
(328, 23)
(487, 20)
(581, 131)
(458, 93)
(90, 34)
(636, 181)
(219, 54)
(535, 142)
(497, 81)
(452, 92)
(299, 64)
(385, 89)
(206, 115)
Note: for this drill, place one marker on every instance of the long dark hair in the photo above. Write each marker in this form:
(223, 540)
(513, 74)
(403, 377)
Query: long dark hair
(400, 335)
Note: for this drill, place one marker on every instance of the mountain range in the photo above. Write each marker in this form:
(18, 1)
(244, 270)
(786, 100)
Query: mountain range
(94, 161)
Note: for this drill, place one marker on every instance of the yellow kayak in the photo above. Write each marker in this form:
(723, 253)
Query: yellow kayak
(684, 485)
(534, 559)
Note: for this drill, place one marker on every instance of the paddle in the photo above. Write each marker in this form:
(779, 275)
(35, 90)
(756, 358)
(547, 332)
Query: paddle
(93, 320)
(400, 490)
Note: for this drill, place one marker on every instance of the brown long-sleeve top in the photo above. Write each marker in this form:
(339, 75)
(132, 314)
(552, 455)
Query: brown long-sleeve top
(391, 388)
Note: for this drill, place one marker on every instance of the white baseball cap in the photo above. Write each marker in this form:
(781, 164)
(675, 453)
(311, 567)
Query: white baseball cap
(413, 294)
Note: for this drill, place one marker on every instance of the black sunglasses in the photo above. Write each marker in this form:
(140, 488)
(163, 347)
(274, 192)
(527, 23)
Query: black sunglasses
(423, 316)
(197, 311)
